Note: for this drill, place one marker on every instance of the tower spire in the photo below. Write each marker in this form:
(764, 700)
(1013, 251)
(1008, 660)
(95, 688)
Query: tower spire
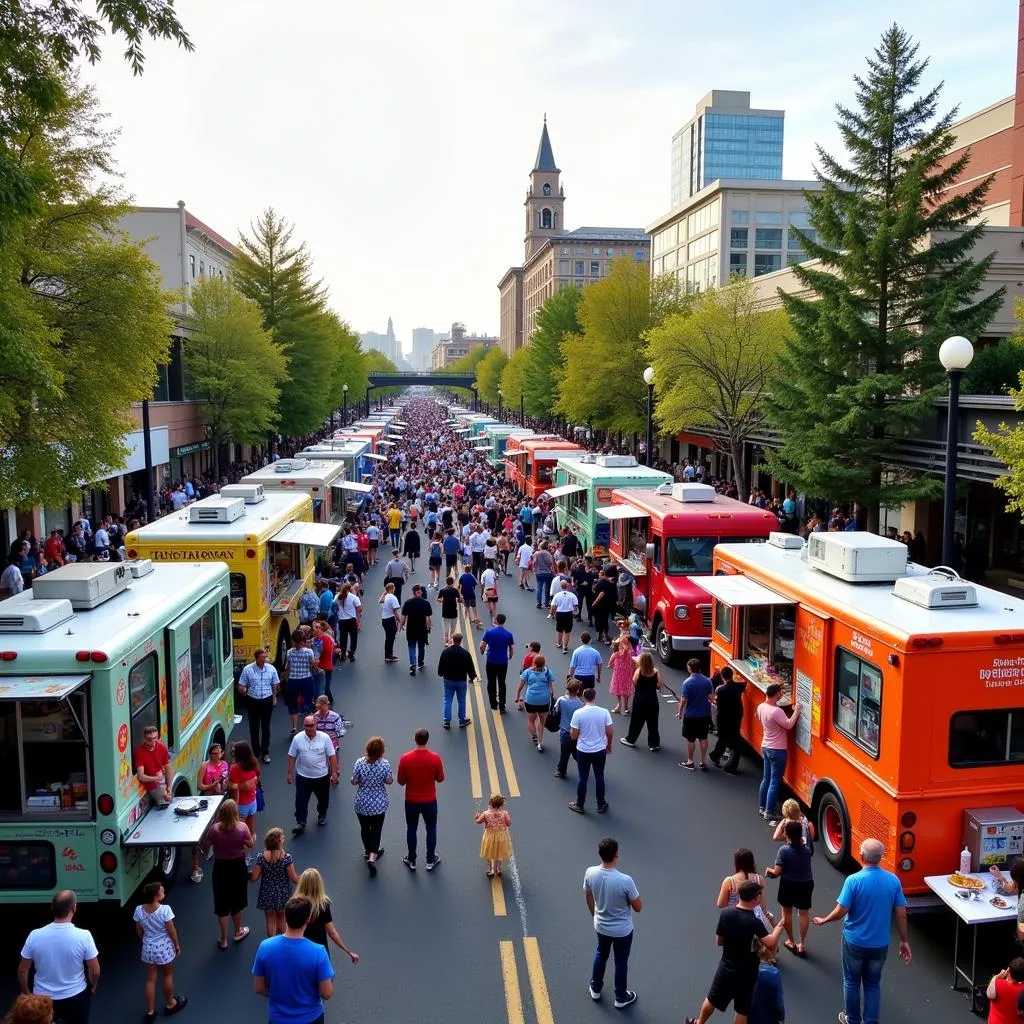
(545, 156)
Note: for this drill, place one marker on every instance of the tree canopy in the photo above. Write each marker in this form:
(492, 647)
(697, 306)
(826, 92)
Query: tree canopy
(556, 318)
(513, 377)
(488, 374)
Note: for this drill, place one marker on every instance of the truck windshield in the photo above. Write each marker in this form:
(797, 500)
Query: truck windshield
(693, 556)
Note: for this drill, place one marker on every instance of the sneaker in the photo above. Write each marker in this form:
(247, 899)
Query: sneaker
(266, 759)
(601, 808)
(540, 748)
(390, 661)
(772, 819)
(688, 765)
(322, 820)
(410, 864)
(654, 750)
(412, 670)
(621, 1004)
(431, 864)
(446, 725)
(559, 775)
(463, 724)
(420, 665)
(626, 743)
(703, 767)
(298, 830)
(372, 868)
(843, 1019)
(594, 994)
(575, 807)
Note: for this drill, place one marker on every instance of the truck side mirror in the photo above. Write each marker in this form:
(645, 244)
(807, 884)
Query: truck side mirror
(651, 551)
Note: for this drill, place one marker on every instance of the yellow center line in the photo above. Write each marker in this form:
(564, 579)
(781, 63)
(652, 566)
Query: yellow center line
(539, 987)
(498, 896)
(513, 997)
(475, 785)
(481, 705)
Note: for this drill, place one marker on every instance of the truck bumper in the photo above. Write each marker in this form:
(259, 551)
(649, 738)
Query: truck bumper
(691, 643)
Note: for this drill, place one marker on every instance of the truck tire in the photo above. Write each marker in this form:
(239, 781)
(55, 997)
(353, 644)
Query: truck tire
(663, 644)
(168, 858)
(834, 830)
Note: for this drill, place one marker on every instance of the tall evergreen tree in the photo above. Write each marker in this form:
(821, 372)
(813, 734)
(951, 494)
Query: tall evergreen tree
(896, 277)
(556, 318)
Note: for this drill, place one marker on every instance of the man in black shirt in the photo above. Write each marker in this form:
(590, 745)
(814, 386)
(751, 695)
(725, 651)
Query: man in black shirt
(455, 667)
(605, 596)
(739, 929)
(416, 614)
(728, 699)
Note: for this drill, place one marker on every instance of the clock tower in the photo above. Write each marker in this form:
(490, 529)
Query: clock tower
(544, 198)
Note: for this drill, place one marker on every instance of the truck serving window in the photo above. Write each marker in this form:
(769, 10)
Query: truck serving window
(145, 708)
(858, 700)
(203, 645)
(238, 595)
(980, 738)
(723, 620)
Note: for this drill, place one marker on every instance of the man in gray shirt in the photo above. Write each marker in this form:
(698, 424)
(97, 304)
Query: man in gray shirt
(611, 898)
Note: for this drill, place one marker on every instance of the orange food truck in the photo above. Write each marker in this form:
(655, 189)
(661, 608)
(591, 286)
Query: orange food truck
(664, 538)
(911, 684)
(530, 461)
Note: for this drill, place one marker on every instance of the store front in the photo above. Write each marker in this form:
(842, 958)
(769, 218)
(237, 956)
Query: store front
(189, 460)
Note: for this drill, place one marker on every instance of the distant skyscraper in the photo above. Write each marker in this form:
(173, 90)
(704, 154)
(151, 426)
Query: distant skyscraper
(385, 343)
(726, 139)
(423, 341)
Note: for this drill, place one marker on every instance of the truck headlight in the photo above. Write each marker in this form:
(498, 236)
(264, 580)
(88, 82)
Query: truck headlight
(682, 612)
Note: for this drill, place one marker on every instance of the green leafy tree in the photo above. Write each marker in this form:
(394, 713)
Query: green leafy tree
(713, 364)
(83, 322)
(995, 369)
(234, 366)
(348, 366)
(896, 277)
(467, 364)
(513, 378)
(615, 315)
(488, 374)
(377, 362)
(556, 318)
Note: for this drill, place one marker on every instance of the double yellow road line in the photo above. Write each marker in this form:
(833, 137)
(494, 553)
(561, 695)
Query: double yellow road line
(535, 973)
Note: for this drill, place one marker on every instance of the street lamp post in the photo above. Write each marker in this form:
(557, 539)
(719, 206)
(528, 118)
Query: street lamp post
(499, 403)
(522, 411)
(955, 354)
(649, 381)
(344, 408)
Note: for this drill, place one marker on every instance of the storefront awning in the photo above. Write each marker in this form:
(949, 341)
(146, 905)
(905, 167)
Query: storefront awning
(315, 535)
(621, 512)
(564, 490)
(375, 457)
(352, 485)
(39, 687)
(738, 591)
(385, 444)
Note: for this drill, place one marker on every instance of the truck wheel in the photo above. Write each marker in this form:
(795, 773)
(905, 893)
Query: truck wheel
(834, 830)
(663, 644)
(168, 858)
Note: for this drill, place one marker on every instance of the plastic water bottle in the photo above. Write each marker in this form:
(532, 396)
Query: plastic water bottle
(965, 861)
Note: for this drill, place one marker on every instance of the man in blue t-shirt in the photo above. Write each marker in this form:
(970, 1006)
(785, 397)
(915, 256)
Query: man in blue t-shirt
(585, 663)
(451, 550)
(294, 974)
(695, 711)
(497, 644)
(467, 588)
(866, 903)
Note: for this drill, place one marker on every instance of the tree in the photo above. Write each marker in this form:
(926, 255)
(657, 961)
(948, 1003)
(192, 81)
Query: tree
(604, 363)
(488, 374)
(350, 366)
(712, 366)
(995, 369)
(83, 321)
(895, 278)
(556, 318)
(234, 366)
(513, 377)
(466, 364)
(377, 362)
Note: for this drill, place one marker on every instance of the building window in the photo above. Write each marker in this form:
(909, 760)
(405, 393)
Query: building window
(740, 217)
(639, 255)
(609, 252)
(563, 268)
(581, 252)
(767, 263)
(796, 242)
(595, 268)
(767, 238)
(738, 238)
(192, 265)
(768, 218)
(737, 263)
(565, 252)
(545, 218)
(579, 268)
(595, 252)
(202, 268)
(579, 284)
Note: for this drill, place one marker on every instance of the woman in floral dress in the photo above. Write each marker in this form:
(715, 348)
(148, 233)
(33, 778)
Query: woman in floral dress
(275, 871)
(372, 774)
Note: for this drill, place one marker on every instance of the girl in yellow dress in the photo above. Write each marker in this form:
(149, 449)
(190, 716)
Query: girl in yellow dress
(495, 845)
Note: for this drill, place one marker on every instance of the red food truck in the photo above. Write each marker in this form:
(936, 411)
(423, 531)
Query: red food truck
(530, 461)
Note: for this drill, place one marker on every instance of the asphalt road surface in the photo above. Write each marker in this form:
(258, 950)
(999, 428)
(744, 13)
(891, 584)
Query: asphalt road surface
(448, 945)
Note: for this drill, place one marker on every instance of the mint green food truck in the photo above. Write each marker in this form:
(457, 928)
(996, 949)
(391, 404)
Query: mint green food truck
(496, 435)
(582, 485)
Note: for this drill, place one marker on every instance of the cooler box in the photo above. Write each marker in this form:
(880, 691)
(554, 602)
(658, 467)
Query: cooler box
(994, 835)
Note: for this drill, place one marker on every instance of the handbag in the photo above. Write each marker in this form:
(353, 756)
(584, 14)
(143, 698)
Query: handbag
(261, 801)
(553, 723)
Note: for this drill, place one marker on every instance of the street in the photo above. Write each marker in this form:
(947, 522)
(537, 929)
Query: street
(436, 946)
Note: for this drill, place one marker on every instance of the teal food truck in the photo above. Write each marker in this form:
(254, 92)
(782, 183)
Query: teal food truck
(497, 435)
(582, 485)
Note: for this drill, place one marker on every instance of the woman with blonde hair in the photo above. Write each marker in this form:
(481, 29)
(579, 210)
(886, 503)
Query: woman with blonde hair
(230, 840)
(372, 774)
(320, 926)
(273, 869)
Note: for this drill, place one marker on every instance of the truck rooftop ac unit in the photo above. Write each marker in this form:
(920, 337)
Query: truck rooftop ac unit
(786, 541)
(85, 584)
(857, 557)
(616, 461)
(290, 465)
(23, 615)
(140, 567)
(216, 510)
(589, 459)
(251, 494)
(934, 591)
(693, 492)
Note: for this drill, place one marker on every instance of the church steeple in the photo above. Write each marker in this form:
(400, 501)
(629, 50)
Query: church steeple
(544, 199)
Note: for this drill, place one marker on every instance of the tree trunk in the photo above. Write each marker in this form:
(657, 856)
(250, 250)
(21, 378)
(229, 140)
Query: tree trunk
(738, 475)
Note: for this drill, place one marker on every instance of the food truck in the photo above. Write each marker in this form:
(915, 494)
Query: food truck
(324, 481)
(909, 682)
(267, 541)
(497, 435)
(665, 537)
(530, 461)
(90, 656)
(582, 485)
(355, 453)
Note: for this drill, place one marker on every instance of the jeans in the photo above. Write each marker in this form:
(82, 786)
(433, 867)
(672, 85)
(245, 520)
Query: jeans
(454, 688)
(328, 673)
(412, 821)
(396, 536)
(862, 965)
(584, 762)
(306, 787)
(496, 674)
(390, 632)
(544, 589)
(605, 944)
(417, 652)
(566, 749)
(259, 712)
(370, 828)
(774, 767)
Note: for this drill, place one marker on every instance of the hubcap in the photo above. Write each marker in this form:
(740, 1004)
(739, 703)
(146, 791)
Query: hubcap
(833, 829)
(664, 643)
(167, 858)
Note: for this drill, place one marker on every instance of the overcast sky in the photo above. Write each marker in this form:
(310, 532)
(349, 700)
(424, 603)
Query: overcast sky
(399, 137)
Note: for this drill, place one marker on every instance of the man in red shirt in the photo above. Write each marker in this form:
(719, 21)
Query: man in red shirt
(53, 551)
(419, 770)
(322, 636)
(153, 766)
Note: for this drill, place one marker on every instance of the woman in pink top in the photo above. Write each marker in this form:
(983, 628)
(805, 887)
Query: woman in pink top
(775, 725)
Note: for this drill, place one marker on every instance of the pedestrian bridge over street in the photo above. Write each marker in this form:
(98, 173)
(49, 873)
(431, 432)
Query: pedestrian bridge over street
(441, 379)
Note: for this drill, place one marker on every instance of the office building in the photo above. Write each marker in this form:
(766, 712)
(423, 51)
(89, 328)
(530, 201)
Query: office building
(457, 344)
(726, 138)
(384, 343)
(423, 341)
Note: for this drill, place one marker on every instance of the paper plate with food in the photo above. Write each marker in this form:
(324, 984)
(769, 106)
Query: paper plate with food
(960, 881)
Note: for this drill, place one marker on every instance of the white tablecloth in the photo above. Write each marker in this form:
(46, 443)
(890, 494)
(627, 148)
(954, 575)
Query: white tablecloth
(973, 911)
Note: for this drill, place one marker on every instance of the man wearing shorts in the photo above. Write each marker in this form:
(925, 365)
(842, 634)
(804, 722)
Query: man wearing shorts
(739, 933)
(467, 587)
(448, 598)
(451, 550)
(563, 610)
(300, 687)
(695, 711)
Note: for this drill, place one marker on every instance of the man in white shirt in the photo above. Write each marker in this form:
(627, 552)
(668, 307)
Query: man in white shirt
(477, 543)
(524, 553)
(563, 610)
(313, 767)
(591, 730)
(102, 541)
(66, 960)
